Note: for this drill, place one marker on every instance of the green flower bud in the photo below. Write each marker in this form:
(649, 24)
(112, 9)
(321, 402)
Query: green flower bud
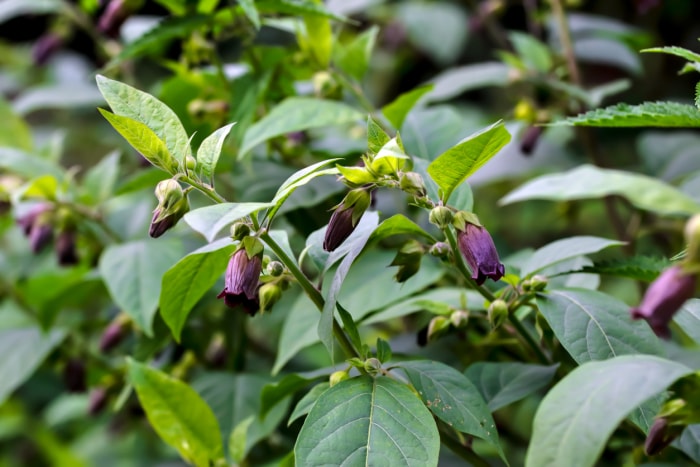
(692, 238)
(240, 230)
(439, 250)
(441, 216)
(526, 285)
(412, 183)
(269, 294)
(168, 192)
(437, 327)
(459, 319)
(373, 366)
(275, 268)
(538, 283)
(190, 163)
(497, 313)
(337, 377)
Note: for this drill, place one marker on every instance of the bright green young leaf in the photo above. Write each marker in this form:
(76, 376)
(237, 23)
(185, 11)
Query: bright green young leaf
(589, 182)
(133, 272)
(297, 114)
(397, 110)
(577, 416)
(502, 383)
(23, 349)
(677, 51)
(210, 150)
(317, 38)
(367, 421)
(143, 139)
(356, 175)
(189, 279)
(564, 249)
(44, 187)
(210, 220)
(100, 180)
(594, 326)
(391, 157)
(137, 105)
(534, 53)
(648, 114)
(177, 413)
(307, 402)
(14, 131)
(453, 399)
(353, 58)
(688, 318)
(27, 165)
(399, 224)
(297, 8)
(456, 164)
(376, 136)
(248, 7)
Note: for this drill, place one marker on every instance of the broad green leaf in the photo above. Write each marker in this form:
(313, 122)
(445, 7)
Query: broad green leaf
(376, 136)
(453, 399)
(456, 164)
(356, 243)
(648, 114)
(248, 7)
(189, 279)
(26, 164)
(12, 8)
(297, 114)
(275, 392)
(236, 397)
(353, 58)
(57, 96)
(133, 272)
(688, 318)
(297, 8)
(589, 182)
(399, 224)
(210, 220)
(576, 417)
(397, 110)
(317, 38)
(534, 53)
(677, 51)
(503, 383)
(455, 81)
(100, 180)
(594, 326)
(14, 131)
(430, 131)
(297, 179)
(237, 440)
(177, 413)
(298, 332)
(367, 421)
(689, 442)
(307, 402)
(143, 139)
(23, 350)
(210, 150)
(564, 249)
(641, 268)
(144, 108)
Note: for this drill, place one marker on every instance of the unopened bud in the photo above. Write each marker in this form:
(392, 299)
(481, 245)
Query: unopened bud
(269, 294)
(497, 313)
(337, 377)
(168, 192)
(240, 230)
(190, 162)
(437, 327)
(172, 205)
(74, 375)
(692, 238)
(373, 366)
(115, 332)
(275, 268)
(459, 319)
(441, 216)
(538, 283)
(661, 434)
(65, 248)
(439, 250)
(97, 400)
(412, 183)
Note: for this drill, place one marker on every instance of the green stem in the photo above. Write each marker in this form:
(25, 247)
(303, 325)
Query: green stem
(461, 450)
(208, 191)
(313, 293)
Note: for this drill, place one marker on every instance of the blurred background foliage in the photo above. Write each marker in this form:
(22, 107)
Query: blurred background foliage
(212, 64)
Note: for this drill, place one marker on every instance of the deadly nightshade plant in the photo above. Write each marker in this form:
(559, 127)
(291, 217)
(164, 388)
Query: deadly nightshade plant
(243, 277)
(477, 248)
(345, 218)
(172, 205)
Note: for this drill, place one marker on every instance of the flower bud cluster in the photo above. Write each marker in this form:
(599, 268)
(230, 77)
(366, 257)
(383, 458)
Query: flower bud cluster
(41, 222)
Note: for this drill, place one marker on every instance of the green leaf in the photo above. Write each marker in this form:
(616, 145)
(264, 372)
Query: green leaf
(397, 110)
(297, 114)
(299, 331)
(144, 108)
(189, 279)
(594, 326)
(273, 393)
(391, 157)
(210, 220)
(577, 416)
(14, 131)
(399, 224)
(455, 81)
(23, 350)
(177, 413)
(564, 249)
(457, 163)
(133, 272)
(534, 53)
(57, 96)
(307, 402)
(237, 440)
(210, 150)
(430, 131)
(641, 268)
(677, 51)
(99, 182)
(143, 139)
(450, 296)
(354, 57)
(688, 318)
(501, 384)
(648, 114)
(297, 7)
(26, 164)
(589, 182)
(355, 244)
(317, 38)
(376, 136)
(689, 442)
(453, 399)
(248, 7)
(367, 421)
(384, 353)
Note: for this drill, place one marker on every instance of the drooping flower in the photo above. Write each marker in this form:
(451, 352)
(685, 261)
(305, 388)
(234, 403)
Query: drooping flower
(241, 283)
(345, 218)
(172, 205)
(477, 247)
(65, 248)
(663, 299)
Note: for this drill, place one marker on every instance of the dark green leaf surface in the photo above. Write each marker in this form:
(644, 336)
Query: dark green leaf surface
(365, 421)
(307, 402)
(648, 114)
(688, 318)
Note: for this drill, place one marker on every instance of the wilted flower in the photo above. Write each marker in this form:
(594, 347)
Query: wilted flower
(241, 284)
(663, 299)
(345, 218)
(476, 245)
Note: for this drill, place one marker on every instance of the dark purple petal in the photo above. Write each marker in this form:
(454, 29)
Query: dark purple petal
(40, 236)
(65, 248)
(45, 47)
(663, 299)
(74, 375)
(477, 247)
(111, 21)
(339, 229)
(243, 274)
